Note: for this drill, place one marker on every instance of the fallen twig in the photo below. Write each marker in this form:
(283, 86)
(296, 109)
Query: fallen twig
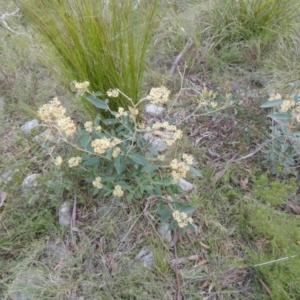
(2, 18)
(179, 57)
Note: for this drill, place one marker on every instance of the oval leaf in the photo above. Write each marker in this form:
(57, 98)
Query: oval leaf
(97, 102)
(271, 103)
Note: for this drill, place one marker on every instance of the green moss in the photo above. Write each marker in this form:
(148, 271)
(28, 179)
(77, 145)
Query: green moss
(275, 192)
(276, 254)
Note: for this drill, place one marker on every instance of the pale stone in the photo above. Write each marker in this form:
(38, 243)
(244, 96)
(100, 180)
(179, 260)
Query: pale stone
(145, 256)
(46, 137)
(185, 185)
(154, 110)
(29, 126)
(64, 215)
(29, 182)
(165, 232)
(157, 143)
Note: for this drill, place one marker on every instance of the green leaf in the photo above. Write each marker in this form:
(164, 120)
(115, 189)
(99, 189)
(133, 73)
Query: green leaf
(164, 218)
(97, 102)
(97, 120)
(139, 159)
(271, 103)
(110, 121)
(281, 116)
(150, 168)
(184, 208)
(195, 171)
(93, 161)
(117, 163)
(85, 140)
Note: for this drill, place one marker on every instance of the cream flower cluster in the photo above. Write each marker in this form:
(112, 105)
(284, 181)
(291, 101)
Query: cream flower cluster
(116, 152)
(89, 127)
(113, 93)
(169, 133)
(97, 183)
(82, 86)
(54, 113)
(181, 218)
(58, 161)
(287, 104)
(74, 161)
(121, 112)
(118, 191)
(101, 145)
(133, 112)
(273, 97)
(159, 95)
(180, 168)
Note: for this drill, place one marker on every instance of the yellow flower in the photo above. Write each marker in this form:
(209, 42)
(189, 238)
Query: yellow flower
(188, 159)
(116, 152)
(121, 112)
(58, 161)
(97, 183)
(74, 161)
(118, 191)
(52, 111)
(67, 126)
(114, 93)
(133, 112)
(159, 95)
(181, 218)
(88, 126)
(275, 97)
(82, 86)
(101, 145)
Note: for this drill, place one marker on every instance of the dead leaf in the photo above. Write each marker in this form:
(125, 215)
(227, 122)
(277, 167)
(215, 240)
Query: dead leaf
(211, 286)
(194, 257)
(3, 196)
(244, 183)
(265, 288)
(204, 245)
(295, 208)
(249, 195)
(201, 262)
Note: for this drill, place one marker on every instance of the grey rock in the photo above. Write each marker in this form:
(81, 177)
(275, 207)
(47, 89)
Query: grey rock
(185, 185)
(145, 256)
(29, 182)
(45, 137)
(165, 233)
(154, 110)
(157, 143)
(64, 214)
(29, 126)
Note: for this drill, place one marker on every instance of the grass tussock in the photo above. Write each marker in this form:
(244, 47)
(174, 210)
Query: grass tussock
(104, 42)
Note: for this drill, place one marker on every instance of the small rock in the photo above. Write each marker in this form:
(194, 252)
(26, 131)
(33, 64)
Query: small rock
(45, 136)
(28, 126)
(185, 185)
(64, 214)
(145, 256)
(29, 182)
(154, 110)
(157, 143)
(165, 232)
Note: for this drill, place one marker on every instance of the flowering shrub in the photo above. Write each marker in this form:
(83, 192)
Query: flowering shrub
(116, 159)
(285, 149)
